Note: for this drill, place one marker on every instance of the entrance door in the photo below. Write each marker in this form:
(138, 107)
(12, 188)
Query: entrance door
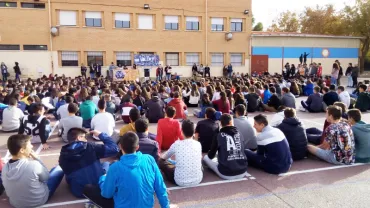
(260, 63)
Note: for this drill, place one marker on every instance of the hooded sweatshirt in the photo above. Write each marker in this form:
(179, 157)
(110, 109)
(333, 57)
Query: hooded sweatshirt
(154, 109)
(288, 100)
(132, 182)
(229, 144)
(361, 131)
(180, 107)
(25, 182)
(88, 110)
(80, 162)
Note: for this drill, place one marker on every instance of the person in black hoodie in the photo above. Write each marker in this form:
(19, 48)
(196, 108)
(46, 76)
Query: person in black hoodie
(253, 100)
(330, 97)
(17, 71)
(295, 134)
(154, 108)
(229, 143)
(207, 129)
(274, 102)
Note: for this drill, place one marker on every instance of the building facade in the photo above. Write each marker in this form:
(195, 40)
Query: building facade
(271, 51)
(213, 32)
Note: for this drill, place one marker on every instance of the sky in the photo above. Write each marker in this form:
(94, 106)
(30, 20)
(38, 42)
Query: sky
(266, 11)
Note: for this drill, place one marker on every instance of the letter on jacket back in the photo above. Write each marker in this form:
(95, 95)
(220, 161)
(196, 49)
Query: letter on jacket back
(80, 162)
(296, 136)
(154, 109)
(288, 100)
(275, 148)
(361, 132)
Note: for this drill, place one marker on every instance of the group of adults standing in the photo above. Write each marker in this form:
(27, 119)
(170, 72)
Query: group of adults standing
(5, 73)
(352, 74)
(302, 70)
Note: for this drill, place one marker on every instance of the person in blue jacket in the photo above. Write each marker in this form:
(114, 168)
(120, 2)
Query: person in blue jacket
(273, 153)
(130, 182)
(308, 89)
(80, 160)
(266, 94)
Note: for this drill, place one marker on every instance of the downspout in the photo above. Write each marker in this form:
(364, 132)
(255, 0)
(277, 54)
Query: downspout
(250, 54)
(206, 28)
(51, 39)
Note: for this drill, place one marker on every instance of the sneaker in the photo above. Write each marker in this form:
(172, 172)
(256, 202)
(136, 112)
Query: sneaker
(302, 109)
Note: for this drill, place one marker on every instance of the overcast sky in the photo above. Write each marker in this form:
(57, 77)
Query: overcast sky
(266, 11)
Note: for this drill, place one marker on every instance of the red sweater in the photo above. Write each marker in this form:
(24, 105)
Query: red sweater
(168, 131)
(220, 106)
(180, 108)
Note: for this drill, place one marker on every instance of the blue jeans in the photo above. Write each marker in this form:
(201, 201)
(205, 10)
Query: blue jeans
(327, 155)
(229, 74)
(55, 177)
(350, 81)
(333, 81)
(5, 78)
(17, 77)
(92, 75)
(168, 76)
(86, 123)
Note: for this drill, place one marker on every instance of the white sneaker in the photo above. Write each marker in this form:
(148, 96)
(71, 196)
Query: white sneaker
(302, 109)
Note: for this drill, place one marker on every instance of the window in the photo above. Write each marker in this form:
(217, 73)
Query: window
(192, 58)
(93, 19)
(9, 47)
(33, 5)
(192, 23)
(122, 20)
(95, 57)
(69, 58)
(146, 53)
(236, 59)
(35, 47)
(123, 58)
(217, 24)
(172, 59)
(8, 4)
(171, 22)
(217, 59)
(68, 18)
(145, 22)
(236, 25)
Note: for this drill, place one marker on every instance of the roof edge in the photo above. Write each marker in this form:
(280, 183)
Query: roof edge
(272, 34)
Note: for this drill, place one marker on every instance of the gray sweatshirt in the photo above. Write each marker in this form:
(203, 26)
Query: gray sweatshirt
(67, 123)
(288, 100)
(246, 129)
(25, 183)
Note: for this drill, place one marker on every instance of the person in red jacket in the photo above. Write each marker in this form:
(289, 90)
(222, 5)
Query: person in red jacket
(179, 105)
(126, 106)
(222, 104)
(168, 130)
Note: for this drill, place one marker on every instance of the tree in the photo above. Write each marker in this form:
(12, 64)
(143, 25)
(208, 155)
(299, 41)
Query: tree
(286, 22)
(258, 27)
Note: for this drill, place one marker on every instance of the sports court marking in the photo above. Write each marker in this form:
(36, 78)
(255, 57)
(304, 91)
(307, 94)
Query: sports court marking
(65, 203)
(320, 169)
(314, 122)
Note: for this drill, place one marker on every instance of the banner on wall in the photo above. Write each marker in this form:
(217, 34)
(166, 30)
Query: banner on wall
(146, 60)
(120, 75)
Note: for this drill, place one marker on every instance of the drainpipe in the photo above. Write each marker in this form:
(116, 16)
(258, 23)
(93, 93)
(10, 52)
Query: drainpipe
(206, 29)
(51, 39)
(250, 54)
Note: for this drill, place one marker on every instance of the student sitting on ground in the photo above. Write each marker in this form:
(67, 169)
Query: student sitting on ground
(245, 127)
(205, 103)
(125, 107)
(62, 111)
(207, 129)
(363, 99)
(104, 121)
(12, 117)
(222, 104)
(274, 102)
(146, 145)
(187, 170)
(179, 105)
(344, 96)
(111, 107)
(154, 108)
(168, 129)
(273, 153)
(134, 114)
(338, 147)
(26, 180)
(80, 160)
(135, 170)
(88, 110)
(266, 94)
(361, 132)
(71, 121)
(314, 102)
(309, 88)
(288, 99)
(37, 126)
(229, 145)
(330, 97)
(253, 100)
(295, 134)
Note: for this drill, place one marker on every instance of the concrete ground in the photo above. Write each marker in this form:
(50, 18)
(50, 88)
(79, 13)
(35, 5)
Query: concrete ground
(309, 183)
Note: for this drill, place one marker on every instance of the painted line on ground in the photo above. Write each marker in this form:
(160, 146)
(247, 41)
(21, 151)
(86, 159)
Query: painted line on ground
(65, 203)
(320, 169)
(314, 122)
(51, 154)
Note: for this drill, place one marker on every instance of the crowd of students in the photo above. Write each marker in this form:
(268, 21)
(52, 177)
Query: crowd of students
(87, 109)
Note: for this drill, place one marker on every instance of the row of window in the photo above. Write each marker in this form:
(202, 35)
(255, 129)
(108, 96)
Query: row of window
(123, 20)
(23, 5)
(70, 58)
(15, 47)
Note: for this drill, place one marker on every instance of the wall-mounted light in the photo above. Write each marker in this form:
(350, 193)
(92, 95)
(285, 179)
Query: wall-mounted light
(228, 36)
(146, 6)
(246, 11)
(54, 31)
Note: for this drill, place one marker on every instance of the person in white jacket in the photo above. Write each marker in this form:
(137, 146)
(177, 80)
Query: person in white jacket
(194, 96)
(344, 96)
(216, 95)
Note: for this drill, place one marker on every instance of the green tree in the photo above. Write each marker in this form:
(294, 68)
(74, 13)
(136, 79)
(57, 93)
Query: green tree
(258, 27)
(286, 22)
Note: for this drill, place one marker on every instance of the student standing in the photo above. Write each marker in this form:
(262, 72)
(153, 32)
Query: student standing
(18, 72)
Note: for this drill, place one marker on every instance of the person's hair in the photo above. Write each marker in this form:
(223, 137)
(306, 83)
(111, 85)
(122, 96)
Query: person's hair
(335, 66)
(265, 87)
(141, 125)
(289, 113)
(134, 114)
(102, 104)
(225, 119)
(17, 142)
(355, 114)
(332, 87)
(176, 94)
(187, 128)
(69, 99)
(286, 90)
(194, 90)
(170, 111)
(30, 99)
(364, 87)
(223, 98)
(13, 101)
(325, 89)
(261, 119)
(341, 88)
(38, 107)
(317, 89)
(272, 89)
(210, 113)
(240, 109)
(129, 142)
(342, 106)
(335, 112)
(72, 108)
(74, 133)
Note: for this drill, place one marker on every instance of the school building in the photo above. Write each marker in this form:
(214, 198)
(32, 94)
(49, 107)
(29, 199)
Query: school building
(271, 51)
(52, 36)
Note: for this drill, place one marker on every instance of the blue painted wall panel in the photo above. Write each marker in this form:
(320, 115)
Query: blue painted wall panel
(272, 52)
(295, 52)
